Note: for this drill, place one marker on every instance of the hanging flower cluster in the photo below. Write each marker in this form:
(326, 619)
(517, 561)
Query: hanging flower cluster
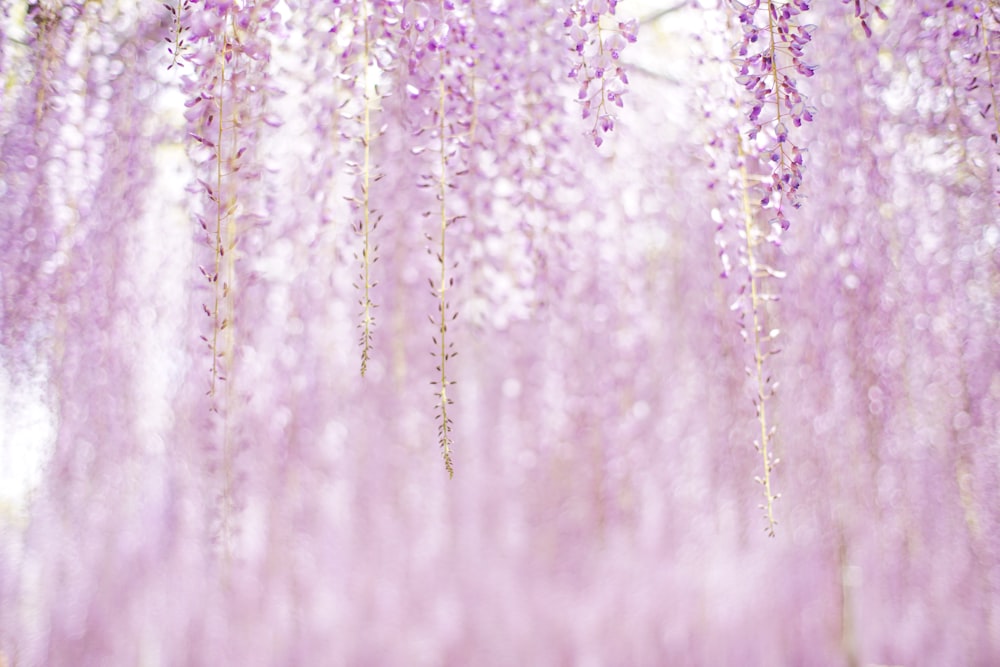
(227, 91)
(598, 40)
(863, 12)
(975, 31)
(769, 57)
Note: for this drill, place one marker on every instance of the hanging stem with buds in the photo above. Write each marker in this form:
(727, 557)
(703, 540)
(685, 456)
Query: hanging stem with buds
(177, 44)
(764, 388)
(444, 352)
(366, 225)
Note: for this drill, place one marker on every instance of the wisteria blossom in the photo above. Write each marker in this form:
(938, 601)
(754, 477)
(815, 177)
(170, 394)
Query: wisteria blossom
(454, 332)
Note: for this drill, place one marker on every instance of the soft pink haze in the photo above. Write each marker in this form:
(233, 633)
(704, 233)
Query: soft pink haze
(500, 332)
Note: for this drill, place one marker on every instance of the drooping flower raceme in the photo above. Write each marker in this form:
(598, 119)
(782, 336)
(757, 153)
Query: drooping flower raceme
(228, 89)
(598, 39)
(770, 59)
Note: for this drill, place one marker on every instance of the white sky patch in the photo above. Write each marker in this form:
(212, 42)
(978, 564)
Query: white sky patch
(26, 435)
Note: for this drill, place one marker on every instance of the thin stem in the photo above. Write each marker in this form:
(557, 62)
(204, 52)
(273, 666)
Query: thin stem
(985, 33)
(178, 42)
(367, 316)
(219, 214)
(472, 81)
(774, 74)
(226, 231)
(443, 400)
(756, 303)
(46, 30)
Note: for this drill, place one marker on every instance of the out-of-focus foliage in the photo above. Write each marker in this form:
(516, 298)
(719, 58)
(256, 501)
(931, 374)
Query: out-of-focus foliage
(264, 263)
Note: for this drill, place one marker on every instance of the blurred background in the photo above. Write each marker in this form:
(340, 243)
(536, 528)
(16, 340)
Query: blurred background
(282, 509)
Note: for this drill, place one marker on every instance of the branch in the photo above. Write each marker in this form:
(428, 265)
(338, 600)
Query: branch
(652, 18)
